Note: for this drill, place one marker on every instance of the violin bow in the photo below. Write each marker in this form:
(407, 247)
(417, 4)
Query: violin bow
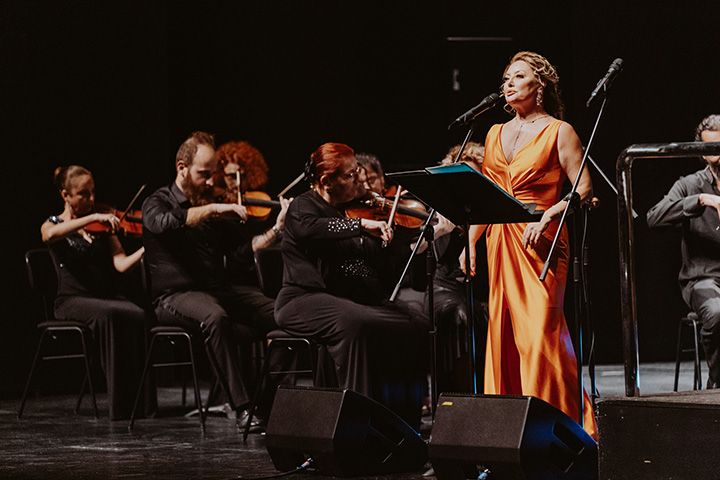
(237, 183)
(292, 184)
(125, 212)
(391, 218)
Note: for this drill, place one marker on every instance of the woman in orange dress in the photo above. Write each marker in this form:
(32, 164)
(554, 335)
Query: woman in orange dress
(529, 349)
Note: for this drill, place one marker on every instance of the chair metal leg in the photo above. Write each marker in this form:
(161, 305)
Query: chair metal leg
(697, 380)
(30, 376)
(211, 394)
(219, 374)
(258, 389)
(198, 401)
(142, 381)
(282, 343)
(149, 362)
(87, 373)
(81, 395)
(677, 356)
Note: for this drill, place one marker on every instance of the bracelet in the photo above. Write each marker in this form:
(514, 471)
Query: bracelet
(276, 230)
(556, 209)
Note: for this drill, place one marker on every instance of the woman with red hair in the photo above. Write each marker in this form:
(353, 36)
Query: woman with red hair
(331, 289)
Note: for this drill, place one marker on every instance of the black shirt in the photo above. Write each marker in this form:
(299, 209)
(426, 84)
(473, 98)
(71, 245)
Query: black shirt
(84, 268)
(179, 257)
(700, 238)
(323, 250)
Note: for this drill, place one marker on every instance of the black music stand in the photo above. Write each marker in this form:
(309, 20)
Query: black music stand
(465, 197)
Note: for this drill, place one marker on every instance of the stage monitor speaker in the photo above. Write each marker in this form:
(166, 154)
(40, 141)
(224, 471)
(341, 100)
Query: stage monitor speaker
(663, 435)
(512, 437)
(344, 433)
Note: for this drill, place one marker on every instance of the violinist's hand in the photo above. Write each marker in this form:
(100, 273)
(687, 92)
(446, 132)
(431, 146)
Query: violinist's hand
(534, 230)
(230, 211)
(709, 200)
(461, 258)
(280, 220)
(377, 229)
(108, 219)
(443, 226)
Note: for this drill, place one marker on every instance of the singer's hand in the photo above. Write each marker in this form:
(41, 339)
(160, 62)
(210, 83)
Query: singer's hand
(534, 230)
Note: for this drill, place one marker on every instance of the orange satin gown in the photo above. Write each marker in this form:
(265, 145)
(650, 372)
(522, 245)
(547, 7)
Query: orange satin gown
(529, 348)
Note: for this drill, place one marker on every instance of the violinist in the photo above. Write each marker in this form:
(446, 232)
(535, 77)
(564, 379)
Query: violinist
(450, 296)
(329, 292)
(373, 174)
(242, 170)
(87, 266)
(188, 235)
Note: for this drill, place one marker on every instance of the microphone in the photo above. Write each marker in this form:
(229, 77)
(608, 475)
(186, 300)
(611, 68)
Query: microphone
(615, 68)
(486, 104)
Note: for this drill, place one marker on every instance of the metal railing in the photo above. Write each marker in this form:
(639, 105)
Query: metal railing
(628, 301)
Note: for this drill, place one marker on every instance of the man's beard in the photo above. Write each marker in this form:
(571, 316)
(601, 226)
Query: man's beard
(197, 194)
(715, 169)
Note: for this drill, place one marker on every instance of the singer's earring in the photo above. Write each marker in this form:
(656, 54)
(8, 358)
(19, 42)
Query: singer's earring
(539, 98)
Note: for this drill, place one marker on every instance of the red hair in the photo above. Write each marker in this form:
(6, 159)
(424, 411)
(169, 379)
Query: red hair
(327, 160)
(252, 164)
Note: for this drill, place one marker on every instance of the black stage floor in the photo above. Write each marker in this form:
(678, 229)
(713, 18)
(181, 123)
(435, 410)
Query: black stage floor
(51, 442)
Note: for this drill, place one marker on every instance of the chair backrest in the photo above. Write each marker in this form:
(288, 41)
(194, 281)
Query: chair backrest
(42, 277)
(269, 268)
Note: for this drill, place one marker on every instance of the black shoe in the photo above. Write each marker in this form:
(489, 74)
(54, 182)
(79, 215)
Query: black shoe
(256, 426)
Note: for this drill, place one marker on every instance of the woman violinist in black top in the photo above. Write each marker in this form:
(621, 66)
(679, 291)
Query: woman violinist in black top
(87, 265)
(332, 289)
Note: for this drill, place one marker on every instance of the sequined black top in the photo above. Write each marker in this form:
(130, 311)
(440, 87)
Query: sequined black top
(84, 268)
(323, 250)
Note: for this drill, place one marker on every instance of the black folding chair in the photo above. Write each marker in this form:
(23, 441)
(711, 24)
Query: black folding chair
(43, 283)
(269, 268)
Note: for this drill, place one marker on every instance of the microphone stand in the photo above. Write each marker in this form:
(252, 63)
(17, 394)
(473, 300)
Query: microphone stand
(427, 233)
(573, 201)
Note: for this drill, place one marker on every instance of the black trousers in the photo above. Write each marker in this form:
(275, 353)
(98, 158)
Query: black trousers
(378, 351)
(454, 372)
(119, 329)
(231, 319)
(705, 302)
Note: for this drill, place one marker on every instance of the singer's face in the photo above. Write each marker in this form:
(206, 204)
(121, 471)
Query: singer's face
(711, 136)
(519, 84)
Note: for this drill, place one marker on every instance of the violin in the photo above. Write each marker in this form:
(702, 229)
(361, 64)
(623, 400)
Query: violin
(409, 213)
(258, 204)
(130, 220)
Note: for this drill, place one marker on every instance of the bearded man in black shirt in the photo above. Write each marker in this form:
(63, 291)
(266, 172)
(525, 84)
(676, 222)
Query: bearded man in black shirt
(187, 238)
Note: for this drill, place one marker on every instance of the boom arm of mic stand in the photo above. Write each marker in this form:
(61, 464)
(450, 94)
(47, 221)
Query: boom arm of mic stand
(571, 197)
(573, 192)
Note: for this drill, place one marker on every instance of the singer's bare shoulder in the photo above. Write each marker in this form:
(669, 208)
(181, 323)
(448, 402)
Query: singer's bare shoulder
(567, 134)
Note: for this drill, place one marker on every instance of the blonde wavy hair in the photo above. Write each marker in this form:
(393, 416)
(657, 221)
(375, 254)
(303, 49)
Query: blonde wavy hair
(546, 75)
(474, 154)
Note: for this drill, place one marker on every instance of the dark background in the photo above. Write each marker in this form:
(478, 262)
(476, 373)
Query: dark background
(117, 86)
